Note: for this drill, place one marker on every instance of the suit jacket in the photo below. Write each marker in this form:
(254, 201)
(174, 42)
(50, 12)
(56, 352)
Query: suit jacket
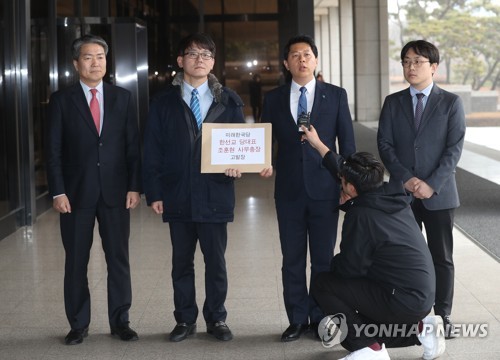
(432, 152)
(172, 156)
(298, 166)
(84, 165)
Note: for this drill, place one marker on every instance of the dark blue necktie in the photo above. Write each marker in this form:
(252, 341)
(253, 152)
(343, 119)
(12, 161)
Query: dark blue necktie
(302, 108)
(419, 109)
(195, 107)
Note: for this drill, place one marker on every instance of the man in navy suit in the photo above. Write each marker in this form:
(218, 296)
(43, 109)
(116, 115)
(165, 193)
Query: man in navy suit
(420, 139)
(196, 206)
(306, 197)
(94, 169)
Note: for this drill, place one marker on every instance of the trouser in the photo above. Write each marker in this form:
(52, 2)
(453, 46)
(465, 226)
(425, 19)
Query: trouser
(213, 242)
(439, 232)
(371, 312)
(77, 230)
(304, 222)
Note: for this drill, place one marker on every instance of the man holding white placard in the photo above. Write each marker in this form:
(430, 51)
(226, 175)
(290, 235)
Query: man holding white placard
(197, 206)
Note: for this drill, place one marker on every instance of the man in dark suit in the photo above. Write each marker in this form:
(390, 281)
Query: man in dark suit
(306, 198)
(420, 139)
(197, 206)
(94, 173)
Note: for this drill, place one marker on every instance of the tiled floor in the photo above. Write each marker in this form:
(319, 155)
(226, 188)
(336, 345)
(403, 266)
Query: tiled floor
(33, 324)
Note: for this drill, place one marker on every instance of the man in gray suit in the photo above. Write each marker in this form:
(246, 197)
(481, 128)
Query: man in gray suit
(420, 139)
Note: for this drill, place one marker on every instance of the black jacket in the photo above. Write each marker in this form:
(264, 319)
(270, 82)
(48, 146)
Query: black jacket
(172, 156)
(381, 241)
(85, 165)
(298, 166)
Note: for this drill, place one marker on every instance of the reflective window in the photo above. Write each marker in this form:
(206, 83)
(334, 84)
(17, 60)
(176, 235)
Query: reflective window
(251, 48)
(250, 6)
(9, 140)
(40, 98)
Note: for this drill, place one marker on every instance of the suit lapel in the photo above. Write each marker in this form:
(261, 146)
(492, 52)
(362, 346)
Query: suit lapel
(285, 104)
(110, 99)
(407, 106)
(319, 96)
(80, 101)
(431, 106)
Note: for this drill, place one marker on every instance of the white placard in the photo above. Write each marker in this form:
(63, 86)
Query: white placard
(238, 146)
(246, 147)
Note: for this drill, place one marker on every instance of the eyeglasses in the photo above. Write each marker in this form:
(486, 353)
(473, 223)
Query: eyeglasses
(194, 55)
(415, 63)
(296, 55)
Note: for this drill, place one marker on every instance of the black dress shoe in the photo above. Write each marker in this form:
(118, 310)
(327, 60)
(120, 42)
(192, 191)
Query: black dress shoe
(75, 336)
(182, 331)
(220, 330)
(449, 328)
(293, 332)
(124, 332)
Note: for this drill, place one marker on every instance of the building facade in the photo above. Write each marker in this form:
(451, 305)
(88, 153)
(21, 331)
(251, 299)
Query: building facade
(35, 60)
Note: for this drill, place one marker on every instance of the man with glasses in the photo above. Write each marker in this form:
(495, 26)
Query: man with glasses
(197, 206)
(420, 139)
(306, 197)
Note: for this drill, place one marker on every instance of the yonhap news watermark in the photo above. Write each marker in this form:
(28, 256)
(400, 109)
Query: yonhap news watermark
(407, 330)
(333, 329)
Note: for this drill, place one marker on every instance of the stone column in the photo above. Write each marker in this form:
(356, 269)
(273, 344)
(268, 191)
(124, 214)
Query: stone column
(371, 58)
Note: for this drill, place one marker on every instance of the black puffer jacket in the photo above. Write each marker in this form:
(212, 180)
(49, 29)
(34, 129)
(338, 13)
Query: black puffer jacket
(172, 156)
(381, 241)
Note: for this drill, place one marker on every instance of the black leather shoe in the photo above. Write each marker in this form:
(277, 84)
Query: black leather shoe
(124, 332)
(220, 330)
(293, 332)
(182, 331)
(449, 328)
(75, 336)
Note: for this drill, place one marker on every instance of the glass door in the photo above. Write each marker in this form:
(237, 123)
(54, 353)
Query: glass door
(10, 182)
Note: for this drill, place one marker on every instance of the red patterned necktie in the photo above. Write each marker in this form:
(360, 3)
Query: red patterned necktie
(95, 110)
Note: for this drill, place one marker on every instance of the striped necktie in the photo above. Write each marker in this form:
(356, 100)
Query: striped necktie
(302, 108)
(419, 110)
(195, 107)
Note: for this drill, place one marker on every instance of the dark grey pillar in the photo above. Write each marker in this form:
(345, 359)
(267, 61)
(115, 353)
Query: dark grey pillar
(296, 17)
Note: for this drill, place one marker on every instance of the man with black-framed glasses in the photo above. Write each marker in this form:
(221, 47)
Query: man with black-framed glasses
(420, 140)
(197, 206)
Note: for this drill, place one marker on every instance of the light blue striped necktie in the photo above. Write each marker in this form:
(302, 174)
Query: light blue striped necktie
(195, 107)
(302, 108)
